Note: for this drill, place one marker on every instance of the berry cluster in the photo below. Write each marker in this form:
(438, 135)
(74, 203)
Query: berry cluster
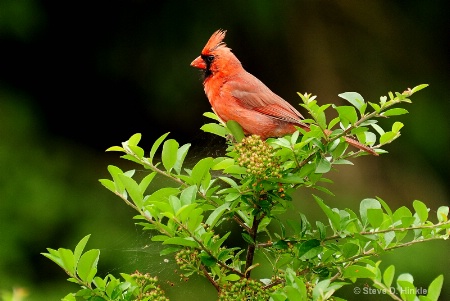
(148, 288)
(258, 157)
(244, 289)
(187, 260)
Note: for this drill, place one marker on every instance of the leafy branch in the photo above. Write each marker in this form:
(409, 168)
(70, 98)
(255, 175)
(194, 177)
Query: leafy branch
(309, 261)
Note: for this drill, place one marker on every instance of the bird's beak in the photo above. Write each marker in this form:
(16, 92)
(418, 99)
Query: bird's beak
(198, 63)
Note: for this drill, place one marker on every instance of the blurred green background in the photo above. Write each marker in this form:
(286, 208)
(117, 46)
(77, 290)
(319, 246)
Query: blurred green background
(79, 77)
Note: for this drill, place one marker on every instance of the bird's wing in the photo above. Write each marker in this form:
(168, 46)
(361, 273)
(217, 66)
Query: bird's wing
(253, 94)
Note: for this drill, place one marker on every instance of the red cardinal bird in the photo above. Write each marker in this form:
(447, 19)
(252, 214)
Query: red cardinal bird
(235, 94)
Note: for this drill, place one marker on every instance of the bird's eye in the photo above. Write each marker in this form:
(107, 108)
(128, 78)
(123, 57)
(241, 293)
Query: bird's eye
(208, 58)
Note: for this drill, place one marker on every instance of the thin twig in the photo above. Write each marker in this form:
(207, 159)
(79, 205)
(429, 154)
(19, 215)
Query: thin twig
(391, 230)
(276, 282)
(207, 251)
(387, 290)
(210, 279)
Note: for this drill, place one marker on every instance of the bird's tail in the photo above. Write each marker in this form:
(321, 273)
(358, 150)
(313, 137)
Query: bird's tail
(356, 144)
(361, 146)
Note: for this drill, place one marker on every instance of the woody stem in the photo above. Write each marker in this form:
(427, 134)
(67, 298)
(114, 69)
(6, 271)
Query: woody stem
(252, 246)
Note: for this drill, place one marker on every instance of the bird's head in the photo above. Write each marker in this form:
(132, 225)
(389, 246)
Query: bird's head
(216, 57)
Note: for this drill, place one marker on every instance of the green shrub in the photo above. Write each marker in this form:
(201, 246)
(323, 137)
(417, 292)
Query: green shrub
(252, 186)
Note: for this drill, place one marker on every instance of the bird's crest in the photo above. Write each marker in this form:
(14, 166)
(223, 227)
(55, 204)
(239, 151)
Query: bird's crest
(215, 41)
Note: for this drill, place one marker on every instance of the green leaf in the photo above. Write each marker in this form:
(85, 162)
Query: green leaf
(248, 238)
(133, 190)
(343, 162)
(169, 154)
(134, 140)
(236, 130)
(69, 297)
(357, 271)
(418, 88)
(396, 127)
(146, 181)
(401, 213)
(232, 277)
(378, 129)
(354, 98)
(407, 221)
(350, 250)
(235, 169)
(87, 265)
(200, 169)
(365, 205)
(136, 150)
(323, 166)
(211, 115)
(115, 149)
(442, 214)
(207, 260)
(309, 249)
(293, 293)
(156, 145)
(291, 179)
(347, 115)
(283, 142)
(391, 96)
(195, 219)
(54, 256)
(223, 164)
(181, 155)
(294, 137)
(114, 172)
(434, 290)
(406, 287)
(132, 158)
(334, 217)
(322, 230)
(375, 217)
(186, 242)
(215, 129)
(388, 237)
(321, 291)
(387, 137)
(388, 275)
(159, 237)
(375, 107)
(218, 243)
(108, 184)
(67, 260)
(369, 138)
(161, 195)
(214, 217)
(175, 203)
(99, 282)
(80, 247)
(333, 122)
(185, 211)
(394, 112)
(188, 195)
(385, 206)
(421, 210)
(169, 250)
